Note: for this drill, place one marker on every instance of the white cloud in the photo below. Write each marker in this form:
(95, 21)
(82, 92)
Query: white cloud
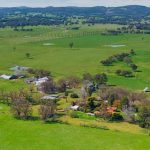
(43, 3)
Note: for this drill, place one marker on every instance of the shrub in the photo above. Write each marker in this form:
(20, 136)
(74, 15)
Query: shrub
(73, 114)
(21, 108)
(40, 73)
(87, 76)
(47, 109)
(133, 67)
(94, 126)
(144, 117)
(116, 117)
(48, 87)
(143, 124)
(101, 79)
(73, 82)
(124, 73)
(92, 104)
(74, 95)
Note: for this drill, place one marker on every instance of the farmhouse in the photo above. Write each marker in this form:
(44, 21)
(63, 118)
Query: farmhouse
(75, 107)
(50, 97)
(8, 77)
(31, 80)
(41, 80)
(19, 68)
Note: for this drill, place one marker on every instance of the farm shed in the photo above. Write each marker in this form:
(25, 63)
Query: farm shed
(50, 97)
(75, 107)
(19, 68)
(40, 81)
(30, 80)
(8, 77)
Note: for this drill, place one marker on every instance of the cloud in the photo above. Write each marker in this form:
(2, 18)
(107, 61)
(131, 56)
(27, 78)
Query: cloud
(43, 3)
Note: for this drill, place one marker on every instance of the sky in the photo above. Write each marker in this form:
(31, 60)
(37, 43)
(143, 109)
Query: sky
(86, 3)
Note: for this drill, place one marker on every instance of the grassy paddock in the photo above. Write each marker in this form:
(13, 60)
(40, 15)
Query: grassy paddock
(85, 56)
(35, 135)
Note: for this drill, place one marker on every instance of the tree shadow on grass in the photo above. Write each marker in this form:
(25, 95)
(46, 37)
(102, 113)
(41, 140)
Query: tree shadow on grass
(112, 85)
(138, 71)
(34, 118)
(30, 118)
(55, 121)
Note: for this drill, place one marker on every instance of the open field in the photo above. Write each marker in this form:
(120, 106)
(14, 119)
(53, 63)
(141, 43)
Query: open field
(49, 49)
(75, 78)
(34, 135)
(56, 56)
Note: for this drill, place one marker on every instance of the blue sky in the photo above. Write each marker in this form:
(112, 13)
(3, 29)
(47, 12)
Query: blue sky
(43, 3)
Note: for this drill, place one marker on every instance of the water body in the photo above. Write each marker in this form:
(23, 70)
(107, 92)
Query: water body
(115, 45)
(48, 44)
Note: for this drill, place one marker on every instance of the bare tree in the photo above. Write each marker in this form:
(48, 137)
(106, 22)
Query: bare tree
(73, 81)
(48, 87)
(47, 109)
(61, 85)
(21, 108)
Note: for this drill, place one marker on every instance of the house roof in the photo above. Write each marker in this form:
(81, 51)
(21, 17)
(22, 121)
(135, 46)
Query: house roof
(19, 68)
(41, 80)
(146, 89)
(31, 80)
(111, 109)
(50, 97)
(7, 77)
(74, 107)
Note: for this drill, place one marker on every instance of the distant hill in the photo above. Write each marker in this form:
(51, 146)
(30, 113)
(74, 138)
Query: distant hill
(125, 10)
(59, 15)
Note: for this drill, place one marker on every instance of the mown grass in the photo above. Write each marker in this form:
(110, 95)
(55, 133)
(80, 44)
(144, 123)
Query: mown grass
(35, 135)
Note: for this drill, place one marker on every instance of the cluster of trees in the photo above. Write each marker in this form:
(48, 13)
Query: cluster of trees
(123, 57)
(47, 109)
(20, 106)
(131, 103)
(125, 73)
(140, 27)
(100, 78)
(132, 28)
(39, 73)
(90, 83)
(51, 86)
(117, 57)
(30, 20)
(21, 103)
(135, 107)
(22, 29)
(74, 15)
(110, 103)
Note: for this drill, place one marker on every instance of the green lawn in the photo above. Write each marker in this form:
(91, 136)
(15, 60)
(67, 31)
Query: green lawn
(35, 135)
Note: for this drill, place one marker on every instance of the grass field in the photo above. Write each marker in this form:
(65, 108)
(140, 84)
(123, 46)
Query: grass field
(56, 56)
(34, 135)
(49, 51)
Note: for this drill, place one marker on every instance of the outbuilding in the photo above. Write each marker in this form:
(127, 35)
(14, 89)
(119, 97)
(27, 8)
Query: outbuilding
(50, 97)
(75, 107)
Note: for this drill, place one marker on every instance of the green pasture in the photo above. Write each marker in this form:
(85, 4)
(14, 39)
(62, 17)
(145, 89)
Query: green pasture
(56, 56)
(35, 135)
